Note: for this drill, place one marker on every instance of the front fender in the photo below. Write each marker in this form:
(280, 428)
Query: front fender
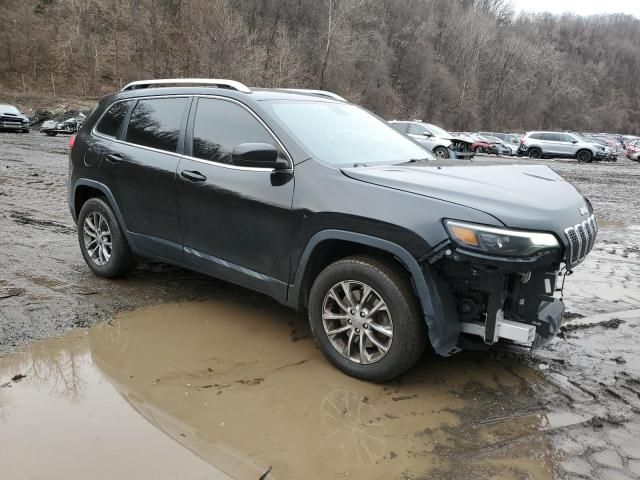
(434, 296)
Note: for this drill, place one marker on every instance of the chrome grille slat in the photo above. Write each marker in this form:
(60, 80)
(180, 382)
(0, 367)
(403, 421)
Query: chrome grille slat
(581, 239)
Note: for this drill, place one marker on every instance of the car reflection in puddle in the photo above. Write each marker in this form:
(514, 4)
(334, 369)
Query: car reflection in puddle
(246, 391)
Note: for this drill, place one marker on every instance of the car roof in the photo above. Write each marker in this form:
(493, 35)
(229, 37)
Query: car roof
(549, 131)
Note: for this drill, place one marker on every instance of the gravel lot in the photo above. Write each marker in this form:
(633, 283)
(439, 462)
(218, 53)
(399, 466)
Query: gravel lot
(574, 408)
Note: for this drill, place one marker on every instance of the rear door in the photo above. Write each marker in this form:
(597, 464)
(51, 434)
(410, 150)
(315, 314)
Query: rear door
(549, 143)
(236, 222)
(140, 167)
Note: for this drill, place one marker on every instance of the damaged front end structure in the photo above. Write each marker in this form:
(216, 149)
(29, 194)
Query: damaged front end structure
(504, 282)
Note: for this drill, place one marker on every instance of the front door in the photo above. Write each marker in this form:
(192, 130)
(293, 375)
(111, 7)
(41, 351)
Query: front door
(236, 222)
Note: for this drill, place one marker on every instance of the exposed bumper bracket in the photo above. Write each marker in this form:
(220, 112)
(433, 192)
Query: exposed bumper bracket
(507, 329)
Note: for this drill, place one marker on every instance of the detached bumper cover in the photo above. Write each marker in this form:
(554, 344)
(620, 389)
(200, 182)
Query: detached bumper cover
(550, 319)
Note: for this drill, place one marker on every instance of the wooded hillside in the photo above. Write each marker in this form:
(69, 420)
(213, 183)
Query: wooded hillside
(463, 64)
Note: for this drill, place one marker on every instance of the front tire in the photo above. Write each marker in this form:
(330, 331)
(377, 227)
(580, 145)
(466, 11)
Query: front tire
(365, 319)
(584, 156)
(102, 242)
(441, 152)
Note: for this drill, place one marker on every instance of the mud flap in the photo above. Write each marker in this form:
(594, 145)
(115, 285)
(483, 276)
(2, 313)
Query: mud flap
(548, 323)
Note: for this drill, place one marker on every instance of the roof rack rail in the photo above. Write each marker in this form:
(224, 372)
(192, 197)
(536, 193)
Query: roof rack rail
(322, 93)
(159, 82)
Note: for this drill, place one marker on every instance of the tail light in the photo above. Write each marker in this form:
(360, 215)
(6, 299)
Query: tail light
(521, 141)
(72, 141)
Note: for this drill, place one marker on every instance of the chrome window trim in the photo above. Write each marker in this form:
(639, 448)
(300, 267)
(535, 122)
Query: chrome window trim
(202, 160)
(95, 132)
(261, 122)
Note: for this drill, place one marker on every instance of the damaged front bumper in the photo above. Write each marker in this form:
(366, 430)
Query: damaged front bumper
(503, 299)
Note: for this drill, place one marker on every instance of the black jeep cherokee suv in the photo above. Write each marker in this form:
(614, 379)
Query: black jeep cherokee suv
(325, 207)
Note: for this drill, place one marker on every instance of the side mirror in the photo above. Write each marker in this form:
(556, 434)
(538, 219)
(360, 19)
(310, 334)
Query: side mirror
(574, 141)
(260, 155)
(427, 134)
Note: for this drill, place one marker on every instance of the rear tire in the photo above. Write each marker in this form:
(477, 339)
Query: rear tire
(441, 152)
(397, 327)
(584, 156)
(102, 242)
(535, 153)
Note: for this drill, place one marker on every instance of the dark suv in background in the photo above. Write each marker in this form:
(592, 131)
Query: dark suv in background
(325, 207)
(13, 119)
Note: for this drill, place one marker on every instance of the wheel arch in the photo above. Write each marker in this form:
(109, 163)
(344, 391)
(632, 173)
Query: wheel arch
(433, 295)
(84, 189)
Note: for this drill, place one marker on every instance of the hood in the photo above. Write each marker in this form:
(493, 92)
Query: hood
(519, 195)
(432, 142)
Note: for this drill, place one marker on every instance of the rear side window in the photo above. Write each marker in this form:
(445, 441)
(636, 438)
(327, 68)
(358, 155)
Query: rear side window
(156, 123)
(111, 121)
(220, 125)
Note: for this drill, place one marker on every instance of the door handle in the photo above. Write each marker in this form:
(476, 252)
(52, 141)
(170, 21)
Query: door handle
(114, 158)
(193, 176)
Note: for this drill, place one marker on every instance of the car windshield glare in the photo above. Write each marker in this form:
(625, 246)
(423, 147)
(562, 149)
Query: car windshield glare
(343, 134)
(440, 132)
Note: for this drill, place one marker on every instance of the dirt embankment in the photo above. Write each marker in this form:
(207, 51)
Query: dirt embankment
(39, 108)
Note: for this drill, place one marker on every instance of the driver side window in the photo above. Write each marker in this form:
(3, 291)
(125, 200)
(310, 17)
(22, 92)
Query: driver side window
(220, 125)
(417, 129)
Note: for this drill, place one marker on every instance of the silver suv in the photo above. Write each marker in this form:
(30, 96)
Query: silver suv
(559, 144)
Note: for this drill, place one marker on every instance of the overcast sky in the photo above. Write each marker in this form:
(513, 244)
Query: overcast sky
(581, 7)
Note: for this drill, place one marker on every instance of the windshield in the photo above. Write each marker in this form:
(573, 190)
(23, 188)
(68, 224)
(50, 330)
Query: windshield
(343, 134)
(439, 132)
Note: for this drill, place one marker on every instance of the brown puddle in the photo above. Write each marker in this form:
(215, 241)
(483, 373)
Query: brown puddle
(241, 390)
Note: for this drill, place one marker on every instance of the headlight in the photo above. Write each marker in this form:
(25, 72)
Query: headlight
(500, 241)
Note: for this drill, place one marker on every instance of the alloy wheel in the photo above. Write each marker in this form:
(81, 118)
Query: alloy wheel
(97, 238)
(357, 322)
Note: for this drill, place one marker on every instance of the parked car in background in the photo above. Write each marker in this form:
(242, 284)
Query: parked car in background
(434, 138)
(13, 119)
(437, 250)
(68, 126)
(559, 144)
(503, 148)
(479, 143)
(633, 147)
(507, 138)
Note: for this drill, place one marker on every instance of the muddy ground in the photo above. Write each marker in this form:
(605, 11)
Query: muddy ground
(219, 382)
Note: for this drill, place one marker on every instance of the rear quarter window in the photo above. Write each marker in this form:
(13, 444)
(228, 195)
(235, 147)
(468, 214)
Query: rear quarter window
(156, 123)
(111, 121)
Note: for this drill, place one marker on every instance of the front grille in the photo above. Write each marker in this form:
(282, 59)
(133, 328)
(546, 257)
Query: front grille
(581, 239)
